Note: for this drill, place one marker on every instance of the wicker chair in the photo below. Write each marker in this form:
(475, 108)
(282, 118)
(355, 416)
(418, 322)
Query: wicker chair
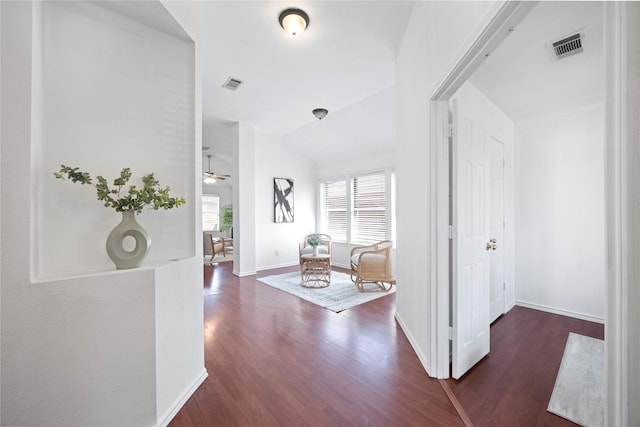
(372, 264)
(324, 247)
(217, 247)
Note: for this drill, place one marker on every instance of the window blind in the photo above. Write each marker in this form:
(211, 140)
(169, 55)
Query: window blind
(334, 210)
(369, 214)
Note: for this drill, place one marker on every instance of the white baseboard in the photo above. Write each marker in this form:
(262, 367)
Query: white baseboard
(243, 273)
(271, 267)
(414, 344)
(561, 312)
(183, 399)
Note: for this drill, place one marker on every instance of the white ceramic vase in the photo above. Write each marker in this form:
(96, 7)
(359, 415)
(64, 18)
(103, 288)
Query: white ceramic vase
(315, 251)
(121, 257)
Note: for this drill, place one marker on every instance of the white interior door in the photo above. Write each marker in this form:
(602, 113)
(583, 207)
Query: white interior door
(496, 307)
(471, 222)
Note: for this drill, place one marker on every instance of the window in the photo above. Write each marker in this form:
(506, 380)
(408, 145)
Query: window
(210, 213)
(368, 213)
(334, 210)
(359, 209)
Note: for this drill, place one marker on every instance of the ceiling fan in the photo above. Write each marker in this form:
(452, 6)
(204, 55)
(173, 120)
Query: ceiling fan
(210, 177)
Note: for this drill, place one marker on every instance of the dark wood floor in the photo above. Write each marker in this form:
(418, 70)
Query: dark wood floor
(513, 384)
(276, 360)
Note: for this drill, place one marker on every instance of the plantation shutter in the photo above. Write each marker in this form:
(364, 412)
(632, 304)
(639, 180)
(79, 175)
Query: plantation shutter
(334, 207)
(369, 223)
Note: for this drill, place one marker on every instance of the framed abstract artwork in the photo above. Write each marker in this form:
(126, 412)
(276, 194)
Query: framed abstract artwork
(283, 200)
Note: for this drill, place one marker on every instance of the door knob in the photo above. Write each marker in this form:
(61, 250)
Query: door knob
(493, 240)
(489, 246)
(492, 245)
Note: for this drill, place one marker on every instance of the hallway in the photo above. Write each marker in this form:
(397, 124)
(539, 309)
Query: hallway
(274, 359)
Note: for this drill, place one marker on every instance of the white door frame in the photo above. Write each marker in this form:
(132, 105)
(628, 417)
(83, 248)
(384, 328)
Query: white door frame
(507, 15)
(620, 38)
(619, 192)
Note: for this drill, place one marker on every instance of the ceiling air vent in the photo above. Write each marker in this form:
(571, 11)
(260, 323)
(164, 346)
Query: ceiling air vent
(568, 46)
(232, 84)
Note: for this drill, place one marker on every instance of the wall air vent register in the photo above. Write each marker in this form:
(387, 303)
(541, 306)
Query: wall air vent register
(567, 46)
(232, 83)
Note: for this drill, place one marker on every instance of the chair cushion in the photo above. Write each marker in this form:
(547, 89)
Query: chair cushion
(322, 249)
(371, 258)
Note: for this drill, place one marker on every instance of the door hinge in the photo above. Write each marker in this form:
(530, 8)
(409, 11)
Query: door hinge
(504, 224)
(450, 130)
(504, 287)
(451, 232)
(450, 333)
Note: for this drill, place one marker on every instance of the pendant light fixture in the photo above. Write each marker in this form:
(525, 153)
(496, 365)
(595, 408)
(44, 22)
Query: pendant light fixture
(320, 113)
(294, 21)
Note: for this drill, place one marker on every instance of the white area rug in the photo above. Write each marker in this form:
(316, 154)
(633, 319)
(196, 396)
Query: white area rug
(579, 391)
(218, 258)
(340, 295)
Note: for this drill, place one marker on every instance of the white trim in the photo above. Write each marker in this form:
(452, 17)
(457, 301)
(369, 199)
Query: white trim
(616, 327)
(508, 307)
(559, 311)
(180, 401)
(412, 341)
(273, 266)
(244, 273)
(440, 322)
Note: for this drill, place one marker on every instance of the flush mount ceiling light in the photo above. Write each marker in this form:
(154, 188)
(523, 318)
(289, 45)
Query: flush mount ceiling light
(320, 113)
(294, 21)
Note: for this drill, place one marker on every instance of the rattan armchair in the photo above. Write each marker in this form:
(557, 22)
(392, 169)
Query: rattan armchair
(217, 246)
(324, 248)
(372, 264)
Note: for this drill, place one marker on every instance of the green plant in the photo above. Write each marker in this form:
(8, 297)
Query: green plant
(134, 199)
(314, 240)
(227, 217)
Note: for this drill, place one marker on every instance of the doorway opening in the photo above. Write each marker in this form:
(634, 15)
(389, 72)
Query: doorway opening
(500, 290)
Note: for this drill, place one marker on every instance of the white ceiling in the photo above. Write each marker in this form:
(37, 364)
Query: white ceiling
(520, 77)
(345, 62)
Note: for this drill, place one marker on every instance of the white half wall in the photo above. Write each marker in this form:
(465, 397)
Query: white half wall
(277, 243)
(560, 213)
(108, 347)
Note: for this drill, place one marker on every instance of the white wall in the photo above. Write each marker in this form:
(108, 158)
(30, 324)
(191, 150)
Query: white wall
(438, 34)
(244, 204)
(113, 347)
(276, 160)
(500, 127)
(560, 236)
